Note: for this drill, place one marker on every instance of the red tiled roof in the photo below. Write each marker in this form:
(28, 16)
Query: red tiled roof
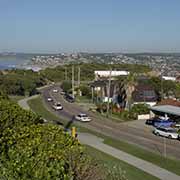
(169, 102)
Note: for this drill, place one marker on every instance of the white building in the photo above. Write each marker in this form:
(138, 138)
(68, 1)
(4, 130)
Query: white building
(169, 78)
(99, 74)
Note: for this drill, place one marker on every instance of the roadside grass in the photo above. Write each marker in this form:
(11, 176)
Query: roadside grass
(112, 117)
(16, 98)
(83, 99)
(170, 164)
(38, 107)
(116, 167)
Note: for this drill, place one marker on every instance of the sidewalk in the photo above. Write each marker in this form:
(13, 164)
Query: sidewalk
(148, 167)
(23, 102)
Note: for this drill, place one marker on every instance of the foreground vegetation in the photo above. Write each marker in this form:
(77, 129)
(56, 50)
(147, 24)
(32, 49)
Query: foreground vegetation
(30, 149)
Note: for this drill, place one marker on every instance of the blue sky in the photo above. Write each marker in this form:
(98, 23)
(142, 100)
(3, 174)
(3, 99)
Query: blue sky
(90, 25)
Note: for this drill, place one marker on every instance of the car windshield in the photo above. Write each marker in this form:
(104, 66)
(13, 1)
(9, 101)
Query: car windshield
(172, 130)
(83, 115)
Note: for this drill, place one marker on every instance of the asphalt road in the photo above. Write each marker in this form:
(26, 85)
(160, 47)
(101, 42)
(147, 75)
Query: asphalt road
(120, 131)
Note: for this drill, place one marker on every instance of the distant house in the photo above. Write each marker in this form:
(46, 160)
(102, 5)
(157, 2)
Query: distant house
(144, 94)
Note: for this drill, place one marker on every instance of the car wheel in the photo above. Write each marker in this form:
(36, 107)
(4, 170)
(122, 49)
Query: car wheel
(170, 137)
(157, 134)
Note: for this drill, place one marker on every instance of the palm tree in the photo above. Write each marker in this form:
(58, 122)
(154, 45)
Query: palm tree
(129, 83)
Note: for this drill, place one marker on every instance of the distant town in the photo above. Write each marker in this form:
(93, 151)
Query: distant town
(165, 64)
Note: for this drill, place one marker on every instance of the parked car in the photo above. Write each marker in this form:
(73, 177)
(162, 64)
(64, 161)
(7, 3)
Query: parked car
(177, 125)
(55, 90)
(83, 117)
(163, 123)
(166, 132)
(58, 106)
(150, 121)
(69, 98)
(49, 99)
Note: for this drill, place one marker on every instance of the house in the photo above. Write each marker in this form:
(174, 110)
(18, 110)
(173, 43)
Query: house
(144, 94)
(117, 92)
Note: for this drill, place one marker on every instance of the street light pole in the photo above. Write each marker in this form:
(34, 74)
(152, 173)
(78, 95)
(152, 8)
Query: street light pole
(109, 90)
(73, 81)
(165, 153)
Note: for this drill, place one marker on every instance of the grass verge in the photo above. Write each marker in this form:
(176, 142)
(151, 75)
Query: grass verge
(118, 168)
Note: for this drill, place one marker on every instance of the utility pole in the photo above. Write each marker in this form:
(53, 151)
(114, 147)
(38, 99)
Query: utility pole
(92, 92)
(79, 76)
(73, 81)
(162, 85)
(164, 147)
(109, 90)
(65, 73)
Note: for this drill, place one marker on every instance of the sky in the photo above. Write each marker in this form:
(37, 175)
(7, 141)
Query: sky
(90, 26)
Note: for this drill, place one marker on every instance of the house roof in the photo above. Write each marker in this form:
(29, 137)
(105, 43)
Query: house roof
(169, 109)
(169, 102)
(144, 93)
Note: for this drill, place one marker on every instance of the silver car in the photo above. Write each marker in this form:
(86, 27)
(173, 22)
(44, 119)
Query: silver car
(166, 132)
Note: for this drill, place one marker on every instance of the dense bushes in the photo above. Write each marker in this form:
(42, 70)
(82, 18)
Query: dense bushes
(32, 150)
(21, 82)
(43, 152)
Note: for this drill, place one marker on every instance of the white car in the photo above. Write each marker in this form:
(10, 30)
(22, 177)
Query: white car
(49, 99)
(58, 106)
(62, 93)
(83, 117)
(55, 90)
(166, 132)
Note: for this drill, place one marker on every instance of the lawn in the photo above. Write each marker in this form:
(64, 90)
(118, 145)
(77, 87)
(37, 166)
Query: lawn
(172, 165)
(117, 167)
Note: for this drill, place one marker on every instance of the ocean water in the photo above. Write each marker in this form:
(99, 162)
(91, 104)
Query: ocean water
(16, 61)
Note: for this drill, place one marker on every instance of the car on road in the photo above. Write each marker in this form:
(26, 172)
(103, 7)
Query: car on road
(55, 90)
(83, 117)
(166, 132)
(58, 106)
(69, 98)
(49, 99)
(62, 93)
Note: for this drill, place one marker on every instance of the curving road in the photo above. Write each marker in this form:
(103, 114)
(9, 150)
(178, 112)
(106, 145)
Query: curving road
(120, 131)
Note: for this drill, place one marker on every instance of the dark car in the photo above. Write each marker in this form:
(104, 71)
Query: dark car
(150, 122)
(69, 98)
